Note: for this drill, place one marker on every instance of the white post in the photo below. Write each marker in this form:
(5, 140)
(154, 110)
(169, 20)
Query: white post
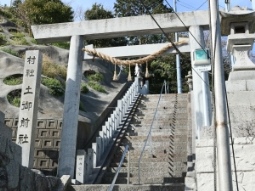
(67, 153)
(223, 150)
(206, 100)
(200, 82)
(80, 166)
(178, 66)
(29, 106)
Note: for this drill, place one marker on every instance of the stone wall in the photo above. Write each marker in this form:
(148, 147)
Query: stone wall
(244, 157)
(13, 176)
(47, 143)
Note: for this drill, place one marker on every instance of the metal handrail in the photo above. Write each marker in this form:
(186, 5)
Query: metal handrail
(118, 169)
(149, 134)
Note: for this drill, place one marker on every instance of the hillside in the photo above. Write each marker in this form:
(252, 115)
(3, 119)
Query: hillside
(13, 44)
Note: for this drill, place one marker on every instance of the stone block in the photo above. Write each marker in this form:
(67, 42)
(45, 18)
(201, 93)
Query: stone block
(234, 86)
(241, 75)
(250, 85)
(14, 133)
(9, 122)
(53, 163)
(41, 183)
(204, 143)
(13, 151)
(204, 159)
(244, 141)
(52, 153)
(2, 117)
(41, 123)
(27, 179)
(51, 124)
(244, 161)
(38, 143)
(205, 181)
(48, 143)
(60, 124)
(43, 133)
(5, 131)
(15, 122)
(12, 169)
(3, 143)
(65, 181)
(55, 133)
(57, 143)
(39, 153)
(42, 163)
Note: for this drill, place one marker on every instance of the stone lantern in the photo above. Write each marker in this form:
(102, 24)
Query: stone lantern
(239, 24)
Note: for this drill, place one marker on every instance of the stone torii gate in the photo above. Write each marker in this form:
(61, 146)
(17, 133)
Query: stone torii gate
(77, 32)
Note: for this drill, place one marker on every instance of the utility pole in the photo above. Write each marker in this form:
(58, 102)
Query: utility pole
(178, 67)
(223, 150)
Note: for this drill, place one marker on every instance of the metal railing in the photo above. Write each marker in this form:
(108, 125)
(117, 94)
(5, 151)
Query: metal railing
(149, 134)
(118, 169)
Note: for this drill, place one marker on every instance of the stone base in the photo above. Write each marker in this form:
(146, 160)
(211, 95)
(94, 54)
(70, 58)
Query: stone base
(242, 75)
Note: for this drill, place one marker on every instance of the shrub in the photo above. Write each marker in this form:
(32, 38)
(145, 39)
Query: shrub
(84, 89)
(19, 39)
(54, 85)
(96, 86)
(64, 45)
(51, 69)
(98, 77)
(81, 107)
(3, 39)
(13, 80)
(14, 97)
(10, 51)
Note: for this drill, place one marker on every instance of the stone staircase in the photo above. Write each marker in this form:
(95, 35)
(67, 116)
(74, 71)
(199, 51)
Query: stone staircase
(163, 164)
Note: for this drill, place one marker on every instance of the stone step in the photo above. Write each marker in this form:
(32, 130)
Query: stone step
(169, 109)
(156, 126)
(161, 122)
(161, 116)
(162, 106)
(146, 180)
(127, 187)
(165, 96)
(163, 103)
(155, 132)
(151, 164)
(143, 138)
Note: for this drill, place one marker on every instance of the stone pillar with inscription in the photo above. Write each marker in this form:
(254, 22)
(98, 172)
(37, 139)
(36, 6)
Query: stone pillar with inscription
(29, 106)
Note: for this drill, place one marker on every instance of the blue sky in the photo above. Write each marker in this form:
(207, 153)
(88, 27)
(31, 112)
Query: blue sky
(80, 6)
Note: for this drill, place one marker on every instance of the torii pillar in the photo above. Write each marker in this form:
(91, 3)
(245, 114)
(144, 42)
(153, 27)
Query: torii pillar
(67, 153)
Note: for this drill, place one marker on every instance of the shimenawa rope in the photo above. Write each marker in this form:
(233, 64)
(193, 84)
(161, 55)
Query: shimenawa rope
(132, 62)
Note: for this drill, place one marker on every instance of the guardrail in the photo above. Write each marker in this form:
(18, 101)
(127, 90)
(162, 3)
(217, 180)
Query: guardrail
(88, 163)
(118, 169)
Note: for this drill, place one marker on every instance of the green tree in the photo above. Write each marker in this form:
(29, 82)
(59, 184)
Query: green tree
(164, 68)
(42, 12)
(125, 8)
(98, 12)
